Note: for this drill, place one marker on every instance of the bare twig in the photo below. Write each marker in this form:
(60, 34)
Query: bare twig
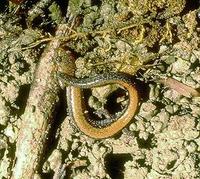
(181, 88)
(38, 115)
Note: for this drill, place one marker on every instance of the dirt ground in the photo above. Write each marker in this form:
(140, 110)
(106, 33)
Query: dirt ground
(155, 42)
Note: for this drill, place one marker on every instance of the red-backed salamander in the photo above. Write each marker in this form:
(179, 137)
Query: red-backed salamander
(107, 127)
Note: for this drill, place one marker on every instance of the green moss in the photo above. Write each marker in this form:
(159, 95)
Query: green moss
(56, 14)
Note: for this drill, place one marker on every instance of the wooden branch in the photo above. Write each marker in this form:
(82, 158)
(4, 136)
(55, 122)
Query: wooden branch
(181, 88)
(38, 115)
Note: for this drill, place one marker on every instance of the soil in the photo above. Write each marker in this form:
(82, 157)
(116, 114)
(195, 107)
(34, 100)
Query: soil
(149, 40)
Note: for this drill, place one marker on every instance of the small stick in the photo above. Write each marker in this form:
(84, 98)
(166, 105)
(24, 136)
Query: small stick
(181, 88)
(38, 115)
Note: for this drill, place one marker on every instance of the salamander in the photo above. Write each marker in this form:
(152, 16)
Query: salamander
(78, 112)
